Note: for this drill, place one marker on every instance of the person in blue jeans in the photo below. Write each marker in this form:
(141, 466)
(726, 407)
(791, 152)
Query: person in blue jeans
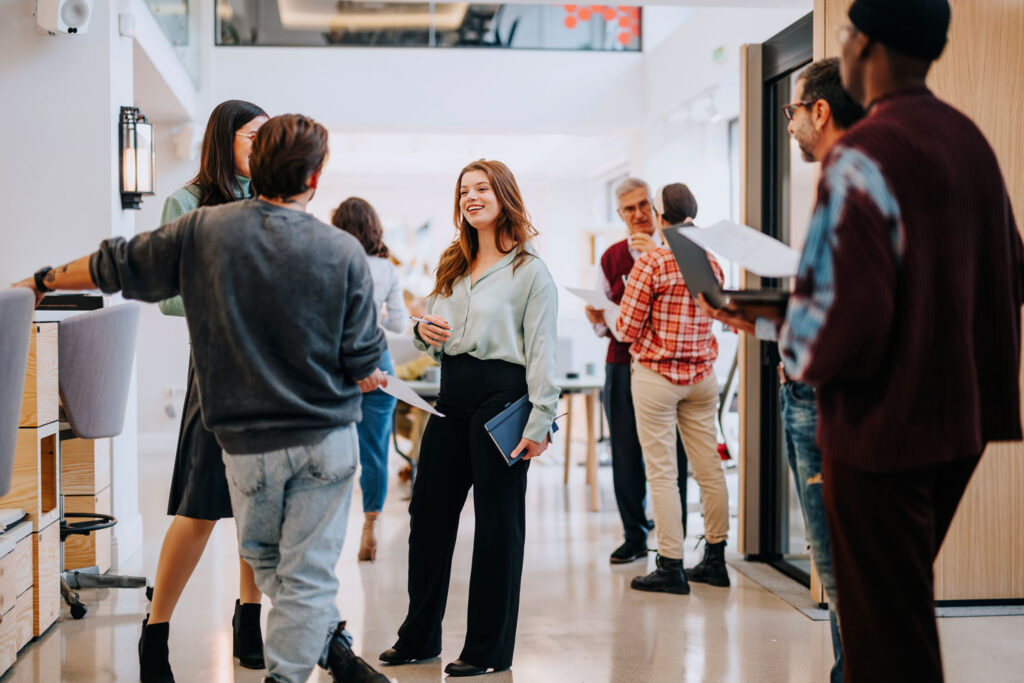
(286, 337)
(358, 218)
(799, 410)
(821, 111)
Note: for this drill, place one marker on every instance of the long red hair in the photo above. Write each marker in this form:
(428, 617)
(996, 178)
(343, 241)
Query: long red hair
(513, 226)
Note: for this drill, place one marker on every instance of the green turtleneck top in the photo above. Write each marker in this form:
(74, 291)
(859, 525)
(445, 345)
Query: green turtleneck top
(181, 201)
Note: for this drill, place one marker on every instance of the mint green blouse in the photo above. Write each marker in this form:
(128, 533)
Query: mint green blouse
(178, 203)
(511, 315)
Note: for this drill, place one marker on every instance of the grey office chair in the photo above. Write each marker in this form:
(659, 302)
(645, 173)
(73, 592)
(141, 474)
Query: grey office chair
(16, 307)
(95, 357)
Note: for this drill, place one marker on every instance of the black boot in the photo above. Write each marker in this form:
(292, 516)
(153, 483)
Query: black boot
(711, 569)
(248, 636)
(667, 577)
(153, 664)
(343, 664)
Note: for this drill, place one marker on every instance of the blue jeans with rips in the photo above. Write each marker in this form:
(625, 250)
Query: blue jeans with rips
(291, 507)
(374, 439)
(800, 423)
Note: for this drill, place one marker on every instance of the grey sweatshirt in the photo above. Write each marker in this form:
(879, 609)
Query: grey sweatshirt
(280, 311)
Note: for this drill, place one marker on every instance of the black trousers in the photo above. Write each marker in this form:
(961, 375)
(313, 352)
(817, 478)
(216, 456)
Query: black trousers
(887, 528)
(628, 475)
(457, 453)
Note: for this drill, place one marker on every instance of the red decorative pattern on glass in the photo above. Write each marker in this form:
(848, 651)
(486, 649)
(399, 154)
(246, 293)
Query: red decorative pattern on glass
(627, 18)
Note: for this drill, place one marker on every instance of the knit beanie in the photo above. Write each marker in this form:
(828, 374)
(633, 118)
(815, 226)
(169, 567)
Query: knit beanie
(917, 28)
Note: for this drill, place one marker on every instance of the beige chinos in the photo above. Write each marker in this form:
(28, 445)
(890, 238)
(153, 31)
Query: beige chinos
(660, 407)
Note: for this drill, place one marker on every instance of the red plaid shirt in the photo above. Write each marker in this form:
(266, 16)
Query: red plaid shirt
(669, 332)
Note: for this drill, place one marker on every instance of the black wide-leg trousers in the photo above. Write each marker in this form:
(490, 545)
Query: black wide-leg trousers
(456, 454)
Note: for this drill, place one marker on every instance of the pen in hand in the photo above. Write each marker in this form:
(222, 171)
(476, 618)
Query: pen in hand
(422, 320)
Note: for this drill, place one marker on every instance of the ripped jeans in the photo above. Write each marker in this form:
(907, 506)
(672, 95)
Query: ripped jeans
(800, 423)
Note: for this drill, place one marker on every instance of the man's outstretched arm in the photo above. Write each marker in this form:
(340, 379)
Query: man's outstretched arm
(74, 275)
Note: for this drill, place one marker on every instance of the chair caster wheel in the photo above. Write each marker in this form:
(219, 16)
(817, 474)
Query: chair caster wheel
(149, 593)
(78, 611)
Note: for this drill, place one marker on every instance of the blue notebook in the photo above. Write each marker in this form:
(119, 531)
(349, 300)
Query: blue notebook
(506, 428)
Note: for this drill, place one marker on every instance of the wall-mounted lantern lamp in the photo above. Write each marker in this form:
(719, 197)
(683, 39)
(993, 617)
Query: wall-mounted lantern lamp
(137, 157)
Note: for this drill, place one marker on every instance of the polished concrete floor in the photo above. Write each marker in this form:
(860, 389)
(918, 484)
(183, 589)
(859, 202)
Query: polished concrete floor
(579, 620)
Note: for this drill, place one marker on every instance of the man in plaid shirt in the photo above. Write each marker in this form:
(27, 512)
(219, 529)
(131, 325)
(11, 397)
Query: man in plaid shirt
(674, 384)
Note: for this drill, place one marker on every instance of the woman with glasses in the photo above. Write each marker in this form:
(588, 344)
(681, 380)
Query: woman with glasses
(199, 489)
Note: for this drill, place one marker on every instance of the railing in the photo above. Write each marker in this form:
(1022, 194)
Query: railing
(175, 19)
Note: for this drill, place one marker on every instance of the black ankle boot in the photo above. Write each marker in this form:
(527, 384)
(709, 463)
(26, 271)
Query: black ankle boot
(343, 664)
(711, 569)
(153, 664)
(248, 636)
(667, 577)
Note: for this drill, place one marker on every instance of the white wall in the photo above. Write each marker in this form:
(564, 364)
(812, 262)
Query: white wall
(58, 183)
(163, 345)
(422, 89)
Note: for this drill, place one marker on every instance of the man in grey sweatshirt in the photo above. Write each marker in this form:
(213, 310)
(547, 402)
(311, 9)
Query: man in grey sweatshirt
(285, 336)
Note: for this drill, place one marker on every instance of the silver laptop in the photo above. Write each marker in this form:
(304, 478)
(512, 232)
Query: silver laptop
(700, 278)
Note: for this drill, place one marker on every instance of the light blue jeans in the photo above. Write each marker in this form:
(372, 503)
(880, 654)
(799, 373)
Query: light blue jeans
(374, 439)
(800, 422)
(291, 508)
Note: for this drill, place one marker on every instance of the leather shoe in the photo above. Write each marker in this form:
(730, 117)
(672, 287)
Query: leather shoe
(459, 668)
(395, 657)
(344, 665)
(629, 552)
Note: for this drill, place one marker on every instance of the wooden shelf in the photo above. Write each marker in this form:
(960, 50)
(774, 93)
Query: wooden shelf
(35, 483)
(45, 578)
(84, 465)
(40, 402)
(92, 549)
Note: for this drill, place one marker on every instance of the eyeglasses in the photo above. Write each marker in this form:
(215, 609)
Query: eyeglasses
(789, 110)
(251, 136)
(633, 208)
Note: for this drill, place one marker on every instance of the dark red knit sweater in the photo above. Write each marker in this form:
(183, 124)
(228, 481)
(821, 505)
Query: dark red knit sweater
(907, 309)
(616, 262)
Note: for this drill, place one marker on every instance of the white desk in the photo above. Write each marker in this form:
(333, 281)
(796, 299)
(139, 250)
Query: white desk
(589, 386)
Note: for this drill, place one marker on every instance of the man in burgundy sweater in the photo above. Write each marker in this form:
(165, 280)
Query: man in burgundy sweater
(633, 197)
(906, 316)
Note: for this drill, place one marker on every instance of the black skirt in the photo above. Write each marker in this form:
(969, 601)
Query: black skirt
(199, 487)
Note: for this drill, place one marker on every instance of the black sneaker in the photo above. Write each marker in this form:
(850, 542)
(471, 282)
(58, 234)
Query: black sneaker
(667, 577)
(629, 552)
(343, 664)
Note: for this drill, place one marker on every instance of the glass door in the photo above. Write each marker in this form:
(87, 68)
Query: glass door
(787, 193)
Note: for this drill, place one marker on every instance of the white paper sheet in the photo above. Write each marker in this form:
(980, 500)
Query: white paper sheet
(595, 298)
(750, 249)
(403, 392)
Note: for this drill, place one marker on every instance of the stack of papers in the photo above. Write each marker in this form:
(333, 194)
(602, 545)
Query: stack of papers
(596, 299)
(748, 248)
(403, 392)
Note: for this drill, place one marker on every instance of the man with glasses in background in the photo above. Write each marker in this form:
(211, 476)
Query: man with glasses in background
(906, 317)
(820, 113)
(633, 198)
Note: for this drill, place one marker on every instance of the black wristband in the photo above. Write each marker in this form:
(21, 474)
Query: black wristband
(39, 275)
